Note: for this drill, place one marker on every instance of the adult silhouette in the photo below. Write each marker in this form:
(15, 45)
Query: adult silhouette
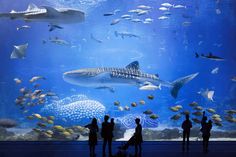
(206, 132)
(186, 126)
(138, 137)
(106, 133)
(93, 129)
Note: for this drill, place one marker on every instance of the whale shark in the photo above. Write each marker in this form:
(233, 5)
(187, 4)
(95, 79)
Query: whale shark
(46, 14)
(130, 75)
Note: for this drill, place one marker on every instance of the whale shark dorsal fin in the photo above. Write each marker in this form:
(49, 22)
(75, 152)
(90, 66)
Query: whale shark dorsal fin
(32, 6)
(50, 10)
(134, 65)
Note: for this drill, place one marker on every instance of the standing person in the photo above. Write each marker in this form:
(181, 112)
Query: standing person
(186, 126)
(206, 129)
(106, 135)
(138, 137)
(93, 129)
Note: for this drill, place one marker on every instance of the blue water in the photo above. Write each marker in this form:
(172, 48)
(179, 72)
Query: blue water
(165, 47)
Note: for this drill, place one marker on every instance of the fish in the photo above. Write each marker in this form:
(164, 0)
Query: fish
(36, 115)
(136, 20)
(144, 7)
(115, 21)
(130, 75)
(179, 6)
(197, 113)
(134, 104)
(120, 108)
(42, 125)
(123, 35)
(186, 112)
(58, 128)
(211, 110)
(17, 80)
(148, 112)
(112, 90)
(167, 13)
(50, 122)
(135, 10)
(163, 17)
(217, 119)
(210, 56)
(95, 39)
(186, 23)
(36, 78)
(153, 116)
(148, 20)
(199, 108)
(179, 107)
(151, 97)
(46, 14)
(143, 12)
(150, 87)
(192, 104)
(19, 51)
(167, 5)
(163, 9)
(52, 27)
(127, 108)
(218, 124)
(195, 120)
(117, 103)
(142, 102)
(174, 109)
(230, 111)
(59, 41)
(233, 79)
(176, 117)
(111, 13)
(51, 117)
(23, 27)
(215, 116)
(125, 16)
(215, 70)
(207, 94)
(218, 11)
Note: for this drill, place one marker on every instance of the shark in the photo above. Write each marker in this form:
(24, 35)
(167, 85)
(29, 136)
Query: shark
(130, 75)
(48, 14)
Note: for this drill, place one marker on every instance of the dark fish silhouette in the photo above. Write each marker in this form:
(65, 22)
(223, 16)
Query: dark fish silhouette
(209, 56)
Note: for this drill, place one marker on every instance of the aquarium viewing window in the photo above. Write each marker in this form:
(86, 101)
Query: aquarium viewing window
(65, 62)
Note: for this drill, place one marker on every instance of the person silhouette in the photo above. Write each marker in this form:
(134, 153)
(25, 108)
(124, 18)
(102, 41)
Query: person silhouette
(107, 135)
(93, 129)
(206, 132)
(135, 140)
(138, 137)
(186, 126)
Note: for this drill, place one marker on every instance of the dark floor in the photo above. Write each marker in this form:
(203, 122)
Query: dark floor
(80, 149)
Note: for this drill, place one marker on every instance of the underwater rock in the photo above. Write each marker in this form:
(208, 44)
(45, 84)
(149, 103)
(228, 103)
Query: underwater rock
(4, 134)
(77, 108)
(7, 123)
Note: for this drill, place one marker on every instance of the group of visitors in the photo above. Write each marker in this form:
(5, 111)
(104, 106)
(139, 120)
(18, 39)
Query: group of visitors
(137, 139)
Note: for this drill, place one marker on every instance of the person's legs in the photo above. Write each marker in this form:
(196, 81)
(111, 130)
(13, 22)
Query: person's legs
(140, 149)
(207, 141)
(184, 136)
(109, 146)
(104, 147)
(136, 149)
(90, 149)
(188, 134)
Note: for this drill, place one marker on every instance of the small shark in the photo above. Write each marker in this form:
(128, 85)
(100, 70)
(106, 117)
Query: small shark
(130, 75)
(210, 56)
(19, 51)
(46, 14)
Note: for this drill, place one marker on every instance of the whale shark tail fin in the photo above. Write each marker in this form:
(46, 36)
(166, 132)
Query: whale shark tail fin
(179, 83)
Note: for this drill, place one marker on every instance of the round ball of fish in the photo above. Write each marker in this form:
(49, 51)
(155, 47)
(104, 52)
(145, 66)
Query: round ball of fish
(75, 109)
